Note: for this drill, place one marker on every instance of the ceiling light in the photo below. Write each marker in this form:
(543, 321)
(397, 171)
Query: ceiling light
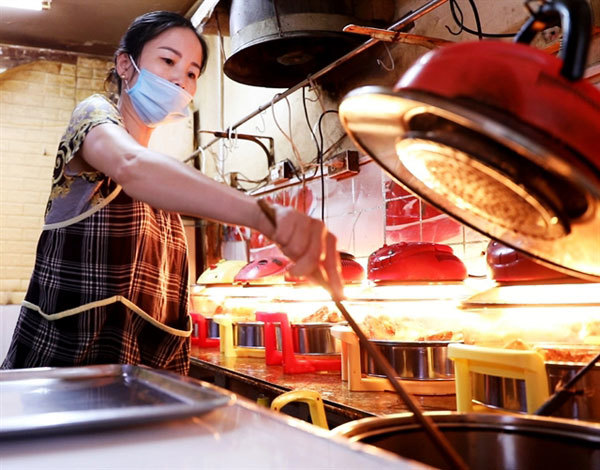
(27, 4)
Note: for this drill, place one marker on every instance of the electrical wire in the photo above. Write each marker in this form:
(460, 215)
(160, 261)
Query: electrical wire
(477, 20)
(220, 37)
(289, 137)
(246, 179)
(308, 122)
(323, 114)
(313, 87)
(459, 20)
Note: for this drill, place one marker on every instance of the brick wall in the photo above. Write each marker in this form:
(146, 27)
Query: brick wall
(36, 100)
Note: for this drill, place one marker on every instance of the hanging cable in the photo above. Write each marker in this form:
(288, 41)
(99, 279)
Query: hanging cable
(308, 122)
(458, 17)
(220, 37)
(262, 121)
(289, 138)
(382, 65)
(321, 161)
(217, 162)
(315, 90)
(477, 20)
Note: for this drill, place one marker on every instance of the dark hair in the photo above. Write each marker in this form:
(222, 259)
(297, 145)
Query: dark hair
(145, 28)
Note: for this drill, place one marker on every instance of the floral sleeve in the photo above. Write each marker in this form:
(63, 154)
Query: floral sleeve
(88, 114)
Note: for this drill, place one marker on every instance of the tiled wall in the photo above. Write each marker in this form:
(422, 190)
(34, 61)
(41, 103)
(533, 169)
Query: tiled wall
(369, 210)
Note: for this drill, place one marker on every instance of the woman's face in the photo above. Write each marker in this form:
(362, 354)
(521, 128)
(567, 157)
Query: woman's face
(175, 55)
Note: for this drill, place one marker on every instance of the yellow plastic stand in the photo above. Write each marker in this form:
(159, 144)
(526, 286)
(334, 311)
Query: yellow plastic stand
(226, 345)
(508, 363)
(311, 398)
(352, 373)
(351, 369)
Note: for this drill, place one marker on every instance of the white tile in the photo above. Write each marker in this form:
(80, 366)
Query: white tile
(474, 258)
(368, 187)
(368, 229)
(340, 227)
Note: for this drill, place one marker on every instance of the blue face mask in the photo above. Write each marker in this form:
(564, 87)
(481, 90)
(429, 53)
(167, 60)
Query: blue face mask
(157, 100)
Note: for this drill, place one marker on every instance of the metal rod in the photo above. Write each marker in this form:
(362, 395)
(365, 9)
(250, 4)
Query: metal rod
(270, 152)
(432, 5)
(397, 36)
(432, 431)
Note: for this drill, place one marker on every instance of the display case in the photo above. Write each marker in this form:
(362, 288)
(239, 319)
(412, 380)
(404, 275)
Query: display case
(416, 326)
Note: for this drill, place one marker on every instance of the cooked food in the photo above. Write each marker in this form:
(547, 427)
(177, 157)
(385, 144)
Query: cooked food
(442, 336)
(568, 354)
(558, 352)
(518, 344)
(382, 327)
(323, 315)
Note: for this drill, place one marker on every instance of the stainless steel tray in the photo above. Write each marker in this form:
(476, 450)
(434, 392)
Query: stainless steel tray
(45, 401)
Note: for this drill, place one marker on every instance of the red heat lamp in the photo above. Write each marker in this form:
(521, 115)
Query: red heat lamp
(503, 137)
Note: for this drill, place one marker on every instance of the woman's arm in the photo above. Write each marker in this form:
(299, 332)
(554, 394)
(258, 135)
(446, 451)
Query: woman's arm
(168, 184)
(164, 182)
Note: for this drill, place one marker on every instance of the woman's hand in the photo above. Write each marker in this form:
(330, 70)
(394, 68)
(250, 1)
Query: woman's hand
(309, 245)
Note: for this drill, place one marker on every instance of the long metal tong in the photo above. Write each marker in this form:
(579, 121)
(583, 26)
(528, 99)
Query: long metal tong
(432, 431)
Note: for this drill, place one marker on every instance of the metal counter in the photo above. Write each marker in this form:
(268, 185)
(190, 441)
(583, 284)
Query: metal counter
(238, 435)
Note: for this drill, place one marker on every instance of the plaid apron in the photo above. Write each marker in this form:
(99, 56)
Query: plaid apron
(109, 288)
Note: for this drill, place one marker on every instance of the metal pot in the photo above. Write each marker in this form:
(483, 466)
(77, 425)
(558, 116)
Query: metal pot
(413, 360)
(509, 394)
(311, 338)
(249, 334)
(486, 441)
(279, 43)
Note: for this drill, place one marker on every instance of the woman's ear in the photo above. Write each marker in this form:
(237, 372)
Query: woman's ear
(124, 66)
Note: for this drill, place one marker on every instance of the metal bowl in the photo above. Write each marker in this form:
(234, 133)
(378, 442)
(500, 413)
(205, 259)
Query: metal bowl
(314, 338)
(485, 441)
(310, 339)
(212, 328)
(412, 360)
(249, 334)
(509, 394)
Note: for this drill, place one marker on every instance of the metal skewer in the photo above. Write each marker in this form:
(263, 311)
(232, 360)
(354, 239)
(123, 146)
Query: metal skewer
(432, 431)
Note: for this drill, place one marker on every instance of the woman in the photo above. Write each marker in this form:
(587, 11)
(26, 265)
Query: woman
(110, 278)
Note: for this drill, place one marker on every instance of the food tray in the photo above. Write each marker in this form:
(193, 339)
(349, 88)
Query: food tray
(47, 401)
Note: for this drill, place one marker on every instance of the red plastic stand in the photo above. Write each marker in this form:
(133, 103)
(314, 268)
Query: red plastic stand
(287, 357)
(200, 332)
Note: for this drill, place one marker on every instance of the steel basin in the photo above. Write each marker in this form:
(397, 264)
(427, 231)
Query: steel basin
(509, 394)
(311, 338)
(212, 328)
(249, 334)
(412, 360)
(486, 441)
